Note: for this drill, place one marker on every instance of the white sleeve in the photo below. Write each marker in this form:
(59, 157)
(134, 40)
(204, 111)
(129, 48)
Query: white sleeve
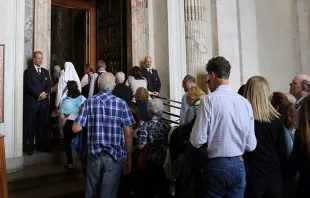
(84, 80)
(92, 85)
(61, 87)
(251, 141)
(199, 134)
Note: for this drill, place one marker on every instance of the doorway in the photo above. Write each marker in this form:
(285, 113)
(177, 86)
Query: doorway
(69, 37)
(73, 33)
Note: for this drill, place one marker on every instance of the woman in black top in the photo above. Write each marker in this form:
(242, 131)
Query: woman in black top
(264, 164)
(300, 156)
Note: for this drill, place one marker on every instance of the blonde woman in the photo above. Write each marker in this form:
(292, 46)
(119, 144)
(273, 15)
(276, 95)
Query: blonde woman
(194, 96)
(265, 164)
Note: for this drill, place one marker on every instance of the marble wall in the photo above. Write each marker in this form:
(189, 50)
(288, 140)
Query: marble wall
(12, 23)
(161, 47)
(29, 12)
(140, 31)
(42, 30)
(277, 50)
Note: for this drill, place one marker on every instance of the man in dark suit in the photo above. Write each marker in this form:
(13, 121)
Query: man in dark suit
(37, 86)
(152, 77)
(121, 90)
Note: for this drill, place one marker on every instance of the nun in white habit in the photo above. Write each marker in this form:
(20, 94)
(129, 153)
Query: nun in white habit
(69, 74)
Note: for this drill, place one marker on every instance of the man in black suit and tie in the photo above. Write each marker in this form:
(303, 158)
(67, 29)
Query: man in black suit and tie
(37, 86)
(152, 77)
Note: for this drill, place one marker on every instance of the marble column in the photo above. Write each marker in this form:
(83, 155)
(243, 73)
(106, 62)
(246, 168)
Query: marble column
(29, 5)
(177, 49)
(12, 18)
(42, 29)
(140, 31)
(196, 42)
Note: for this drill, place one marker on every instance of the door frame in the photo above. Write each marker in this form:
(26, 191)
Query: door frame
(89, 5)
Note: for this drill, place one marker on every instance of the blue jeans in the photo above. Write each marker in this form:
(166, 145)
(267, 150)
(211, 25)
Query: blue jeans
(102, 177)
(225, 177)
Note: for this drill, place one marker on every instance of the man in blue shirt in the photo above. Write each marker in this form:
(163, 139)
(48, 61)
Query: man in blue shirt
(108, 120)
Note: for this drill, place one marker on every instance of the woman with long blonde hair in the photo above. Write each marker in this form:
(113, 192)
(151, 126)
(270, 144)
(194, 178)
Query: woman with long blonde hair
(194, 96)
(265, 164)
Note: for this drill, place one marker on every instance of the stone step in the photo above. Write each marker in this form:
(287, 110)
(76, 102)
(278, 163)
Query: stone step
(40, 176)
(74, 188)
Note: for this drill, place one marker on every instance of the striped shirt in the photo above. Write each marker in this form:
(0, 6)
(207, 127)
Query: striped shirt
(225, 122)
(105, 117)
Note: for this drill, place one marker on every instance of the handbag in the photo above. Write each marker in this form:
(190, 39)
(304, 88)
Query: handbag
(142, 158)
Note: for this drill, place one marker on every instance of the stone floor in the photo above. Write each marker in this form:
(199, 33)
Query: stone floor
(46, 181)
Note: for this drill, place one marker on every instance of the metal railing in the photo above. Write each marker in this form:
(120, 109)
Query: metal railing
(167, 102)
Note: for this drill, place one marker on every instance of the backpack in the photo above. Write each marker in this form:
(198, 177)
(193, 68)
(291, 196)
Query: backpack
(96, 88)
(85, 89)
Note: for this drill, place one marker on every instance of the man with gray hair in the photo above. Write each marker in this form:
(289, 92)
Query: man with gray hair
(108, 120)
(121, 90)
(93, 88)
(299, 88)
(189, 81)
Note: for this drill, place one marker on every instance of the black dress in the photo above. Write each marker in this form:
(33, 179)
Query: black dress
(266, 163)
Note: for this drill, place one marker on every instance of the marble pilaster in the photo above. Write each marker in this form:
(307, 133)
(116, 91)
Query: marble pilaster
(301, 35)
(12, 15)
(29, 5)
(196, 42)
(177, 49)
(42, 29)
(140, 31)
(225, 35)
(248, 41)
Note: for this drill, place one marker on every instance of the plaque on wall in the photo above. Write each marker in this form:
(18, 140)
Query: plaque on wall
(1, 81)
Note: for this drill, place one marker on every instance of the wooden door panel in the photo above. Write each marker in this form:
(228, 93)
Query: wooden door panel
(111, 34)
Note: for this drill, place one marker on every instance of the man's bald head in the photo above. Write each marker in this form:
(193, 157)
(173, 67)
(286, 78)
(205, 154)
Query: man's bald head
(106, 81)
(300, 86)
(119, 77)
(148, 61)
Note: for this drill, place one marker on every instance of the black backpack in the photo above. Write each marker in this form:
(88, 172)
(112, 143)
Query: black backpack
(85, 89)
(96, 88)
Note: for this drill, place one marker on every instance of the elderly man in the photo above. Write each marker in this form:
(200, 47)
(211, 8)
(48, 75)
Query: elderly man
(152, 77)
(224, 129)
(121, 90)
(108, 120)
(299, 88)
(189, 81)
(93, 88)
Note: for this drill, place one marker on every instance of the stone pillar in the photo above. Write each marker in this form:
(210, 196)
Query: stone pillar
(42, 29)
(140, 31)
(196, 40)
(12, 15)
(177, 48)
(29, 5)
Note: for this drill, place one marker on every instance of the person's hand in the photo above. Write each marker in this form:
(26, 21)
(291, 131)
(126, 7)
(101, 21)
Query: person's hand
(43, 95)
(127, 166)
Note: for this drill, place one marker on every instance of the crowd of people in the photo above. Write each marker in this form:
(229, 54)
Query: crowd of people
(250, 143)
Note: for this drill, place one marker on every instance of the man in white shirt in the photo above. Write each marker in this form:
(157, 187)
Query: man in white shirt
(189, 81)
(93, 87)
(224, 129)
(299, 88)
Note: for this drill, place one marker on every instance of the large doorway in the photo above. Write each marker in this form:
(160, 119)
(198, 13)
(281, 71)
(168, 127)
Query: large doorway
(69, 34)
(73, 33)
